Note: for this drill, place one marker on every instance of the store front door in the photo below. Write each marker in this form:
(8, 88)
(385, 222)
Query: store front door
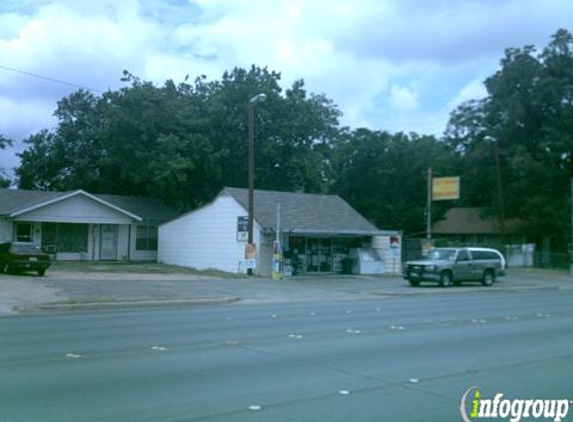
(319, 255)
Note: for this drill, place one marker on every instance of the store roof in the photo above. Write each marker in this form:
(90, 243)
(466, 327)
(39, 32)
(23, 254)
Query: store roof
(305, 213)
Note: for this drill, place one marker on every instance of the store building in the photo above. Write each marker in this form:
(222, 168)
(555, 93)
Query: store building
(320, 234)
(77, 225)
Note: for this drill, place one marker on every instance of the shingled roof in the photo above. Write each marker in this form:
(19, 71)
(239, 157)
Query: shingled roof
(304, 212)
(467, 220)
(13, 201)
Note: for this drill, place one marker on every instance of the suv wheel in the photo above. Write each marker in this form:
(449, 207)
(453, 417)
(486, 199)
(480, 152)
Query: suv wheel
(488, 278)
(414, 283)
(446, 279)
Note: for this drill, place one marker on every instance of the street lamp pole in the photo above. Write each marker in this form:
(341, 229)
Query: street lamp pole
(500, 201)
(252, 102)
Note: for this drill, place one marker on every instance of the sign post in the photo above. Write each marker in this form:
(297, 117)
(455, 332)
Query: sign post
(277, 261)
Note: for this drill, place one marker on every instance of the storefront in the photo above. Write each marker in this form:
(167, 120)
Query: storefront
(320, 254)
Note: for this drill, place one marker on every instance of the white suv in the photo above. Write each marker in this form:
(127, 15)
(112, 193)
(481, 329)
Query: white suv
(448, 266)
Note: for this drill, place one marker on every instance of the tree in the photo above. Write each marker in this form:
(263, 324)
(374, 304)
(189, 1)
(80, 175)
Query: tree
(384, 175)
(529, 112)
(4, 180)
(184, 142)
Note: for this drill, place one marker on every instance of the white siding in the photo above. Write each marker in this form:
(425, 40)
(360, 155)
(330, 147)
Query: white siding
(77, 209)
(5, 230)
(206, 238)
(122, 242)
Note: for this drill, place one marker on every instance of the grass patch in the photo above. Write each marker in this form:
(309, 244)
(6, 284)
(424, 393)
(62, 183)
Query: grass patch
(137, 268)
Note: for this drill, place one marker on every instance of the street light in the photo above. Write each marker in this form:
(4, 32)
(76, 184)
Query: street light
(257, 98)
(500, 203)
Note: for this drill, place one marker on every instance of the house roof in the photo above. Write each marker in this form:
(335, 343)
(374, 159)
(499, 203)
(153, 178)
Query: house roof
(474, 221)
(304, 213)
(14, 202)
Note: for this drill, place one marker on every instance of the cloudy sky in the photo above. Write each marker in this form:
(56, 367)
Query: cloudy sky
(396, 65)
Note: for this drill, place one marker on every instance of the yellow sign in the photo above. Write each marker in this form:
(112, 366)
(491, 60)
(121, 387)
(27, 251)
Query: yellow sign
(444, 188)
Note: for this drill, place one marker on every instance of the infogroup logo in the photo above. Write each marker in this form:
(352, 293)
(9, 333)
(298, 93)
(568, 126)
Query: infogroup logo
(514, 409)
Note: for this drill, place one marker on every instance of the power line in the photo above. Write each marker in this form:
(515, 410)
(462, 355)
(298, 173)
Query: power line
(47, 78)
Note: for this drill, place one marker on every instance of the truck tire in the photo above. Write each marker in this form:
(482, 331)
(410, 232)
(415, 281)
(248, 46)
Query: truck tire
(446, 279)
(488, 278)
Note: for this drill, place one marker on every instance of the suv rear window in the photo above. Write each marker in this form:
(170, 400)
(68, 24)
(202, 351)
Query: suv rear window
(483, 255)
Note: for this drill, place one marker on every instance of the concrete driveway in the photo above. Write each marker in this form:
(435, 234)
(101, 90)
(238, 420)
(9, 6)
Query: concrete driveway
(88, 287)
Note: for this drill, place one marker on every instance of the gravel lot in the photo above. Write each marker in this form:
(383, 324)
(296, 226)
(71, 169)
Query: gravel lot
(88, 287)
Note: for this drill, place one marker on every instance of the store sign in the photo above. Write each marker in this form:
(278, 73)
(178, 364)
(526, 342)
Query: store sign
(445, 188)
(242, 228)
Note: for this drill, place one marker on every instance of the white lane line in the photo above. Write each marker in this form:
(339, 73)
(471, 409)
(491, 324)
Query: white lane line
(73, 355)
(254, 407)
(344, 392)
(159, 348)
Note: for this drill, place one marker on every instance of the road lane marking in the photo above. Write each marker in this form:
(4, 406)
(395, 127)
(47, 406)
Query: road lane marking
(255, 407)
(73, 355)
(160, 348)
(344, 392)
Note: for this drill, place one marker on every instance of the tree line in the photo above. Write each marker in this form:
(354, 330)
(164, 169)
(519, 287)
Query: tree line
(184, 142)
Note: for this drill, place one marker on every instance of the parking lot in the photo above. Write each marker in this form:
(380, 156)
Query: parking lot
(71, 287)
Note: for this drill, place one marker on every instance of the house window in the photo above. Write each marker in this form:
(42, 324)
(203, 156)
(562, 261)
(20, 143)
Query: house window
(65, 237)
(23, 232)
(146, 238)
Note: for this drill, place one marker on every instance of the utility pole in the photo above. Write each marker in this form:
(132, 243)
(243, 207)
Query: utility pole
(429, 207)
(252, 102)
(500, 201)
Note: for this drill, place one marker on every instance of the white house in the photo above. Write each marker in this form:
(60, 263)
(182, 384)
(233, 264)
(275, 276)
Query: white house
(77, 225)
(319, 234)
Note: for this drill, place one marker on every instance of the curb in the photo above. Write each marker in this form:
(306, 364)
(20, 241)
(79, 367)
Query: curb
(127, 304)
(438, 291)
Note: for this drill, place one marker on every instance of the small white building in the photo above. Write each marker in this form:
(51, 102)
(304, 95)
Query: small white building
(77, 225)
(320, 234)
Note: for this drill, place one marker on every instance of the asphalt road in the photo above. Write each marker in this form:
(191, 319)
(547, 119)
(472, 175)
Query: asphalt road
(387, 359)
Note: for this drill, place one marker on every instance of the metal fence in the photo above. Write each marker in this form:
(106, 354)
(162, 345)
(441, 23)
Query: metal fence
(517, 255)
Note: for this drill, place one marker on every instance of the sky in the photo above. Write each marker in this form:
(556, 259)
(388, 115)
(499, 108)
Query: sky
(394, 65)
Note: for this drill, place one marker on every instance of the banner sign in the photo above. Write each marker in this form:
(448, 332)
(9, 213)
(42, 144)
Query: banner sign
(445, 188)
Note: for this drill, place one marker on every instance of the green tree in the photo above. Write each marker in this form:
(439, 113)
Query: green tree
(184, 142)
(529, 113)
(385, 176)
(4, 180)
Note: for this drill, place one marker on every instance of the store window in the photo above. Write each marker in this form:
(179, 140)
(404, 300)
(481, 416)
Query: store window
(146, 238)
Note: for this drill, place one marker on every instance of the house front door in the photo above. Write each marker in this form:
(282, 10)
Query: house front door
(108, 242)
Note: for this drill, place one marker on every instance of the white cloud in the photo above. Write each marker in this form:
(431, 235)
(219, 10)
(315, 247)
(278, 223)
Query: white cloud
(403, 98)
(474, 90)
